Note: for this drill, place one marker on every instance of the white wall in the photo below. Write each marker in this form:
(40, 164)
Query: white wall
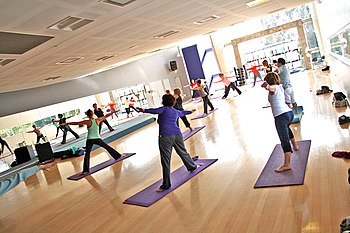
(149, 69)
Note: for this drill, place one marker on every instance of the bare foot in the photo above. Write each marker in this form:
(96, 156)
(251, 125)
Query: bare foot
(283, 168)
(46, 166)
(191, 129)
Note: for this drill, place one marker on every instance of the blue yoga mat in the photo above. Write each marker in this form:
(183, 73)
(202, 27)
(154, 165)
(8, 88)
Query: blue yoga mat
(148, 196)
(188, 133)
(297, 116)
(295, 176)
(100, 166)
(201, 115)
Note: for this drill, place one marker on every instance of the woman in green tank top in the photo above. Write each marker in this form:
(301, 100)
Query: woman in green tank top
(94, 137)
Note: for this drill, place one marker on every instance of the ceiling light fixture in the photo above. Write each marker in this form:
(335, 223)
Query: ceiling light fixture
(206, 20)
(106, 57)
(69, 60)
(4, 62)
(50, 78)
(256, 2)
(166, 34)
(70, 23)
(120, 3)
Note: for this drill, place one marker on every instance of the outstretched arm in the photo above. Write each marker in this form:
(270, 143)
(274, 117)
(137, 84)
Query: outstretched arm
(85, 122)
(102, 118)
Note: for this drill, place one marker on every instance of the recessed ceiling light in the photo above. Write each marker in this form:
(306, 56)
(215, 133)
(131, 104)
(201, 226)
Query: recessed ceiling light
(50, 78)
(133, 47)
(120, 3)
(4, 62)
(206, 20)
(70, 23)
(256, 2)
(103, 58)
(69, 60)
(166, 34)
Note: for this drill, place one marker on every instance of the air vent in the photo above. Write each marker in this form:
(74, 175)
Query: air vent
(206, 20)
(120, 3)
(50, 78)
(4, 62)
(69, 60)
(166, 34)
(70, 23)
(103, 58)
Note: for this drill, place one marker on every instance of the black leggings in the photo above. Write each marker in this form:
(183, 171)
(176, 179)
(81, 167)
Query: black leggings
(98, 141)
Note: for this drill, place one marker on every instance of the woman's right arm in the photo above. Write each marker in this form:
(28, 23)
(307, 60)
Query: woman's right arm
(85, 122)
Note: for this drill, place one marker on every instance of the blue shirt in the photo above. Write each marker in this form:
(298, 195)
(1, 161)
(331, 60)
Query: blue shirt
(167, 119)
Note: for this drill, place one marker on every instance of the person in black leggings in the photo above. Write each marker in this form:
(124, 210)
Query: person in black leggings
(178, 106)
(65, 128)
(3, 144)
(99, 113)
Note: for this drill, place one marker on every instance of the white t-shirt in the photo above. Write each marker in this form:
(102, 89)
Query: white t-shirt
(278, 102)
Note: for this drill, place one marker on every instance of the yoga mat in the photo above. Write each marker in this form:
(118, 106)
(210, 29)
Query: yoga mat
(188, 133)
(297, 116)
(100, 166)
(295, 176)
(148, 196)
(201, 115)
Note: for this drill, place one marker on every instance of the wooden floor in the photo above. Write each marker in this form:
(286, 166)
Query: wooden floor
(241, 135)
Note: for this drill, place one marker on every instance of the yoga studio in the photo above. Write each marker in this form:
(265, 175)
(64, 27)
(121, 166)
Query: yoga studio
(163, 116)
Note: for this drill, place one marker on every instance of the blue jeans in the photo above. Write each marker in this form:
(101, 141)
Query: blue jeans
(282, 123)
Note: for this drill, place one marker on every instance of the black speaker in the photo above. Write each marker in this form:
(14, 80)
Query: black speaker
(173, 65)
(44, 152)
(24, 154)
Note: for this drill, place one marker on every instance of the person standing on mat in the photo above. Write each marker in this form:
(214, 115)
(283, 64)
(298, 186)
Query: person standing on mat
(3, 144)
(283, 118)
(39, 135)
(99, 113)
(228, 85)
(65, 128)
(178, 106)
(284, 74)
(204, 95)
(94, 137)
(170, 136)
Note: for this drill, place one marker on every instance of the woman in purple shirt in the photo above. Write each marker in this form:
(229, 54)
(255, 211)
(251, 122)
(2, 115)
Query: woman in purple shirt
(170, 136)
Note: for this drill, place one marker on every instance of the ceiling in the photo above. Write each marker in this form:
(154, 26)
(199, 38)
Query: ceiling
(33, 53)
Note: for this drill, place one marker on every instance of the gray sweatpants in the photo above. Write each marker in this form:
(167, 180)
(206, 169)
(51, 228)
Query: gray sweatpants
(166, 145)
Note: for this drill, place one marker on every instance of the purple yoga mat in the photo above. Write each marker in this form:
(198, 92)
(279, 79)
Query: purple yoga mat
(148, 196)
(201, 115)
(100, 166)
(270, 178)
(188, 133)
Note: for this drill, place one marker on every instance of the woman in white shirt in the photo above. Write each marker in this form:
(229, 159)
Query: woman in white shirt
(283, 117)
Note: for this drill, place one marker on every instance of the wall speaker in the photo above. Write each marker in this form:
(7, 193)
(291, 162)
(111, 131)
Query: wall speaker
(173, 65)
